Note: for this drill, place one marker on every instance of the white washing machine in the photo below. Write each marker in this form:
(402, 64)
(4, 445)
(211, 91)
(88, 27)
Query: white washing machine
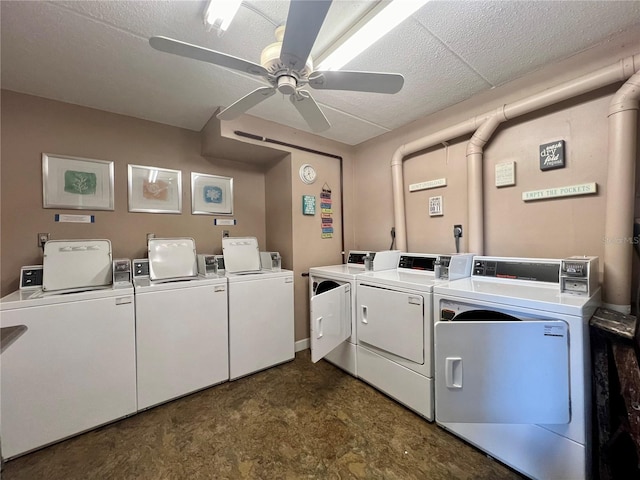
(512, 365)
(181, 324)
(332, 293)
(261, 318)
(395, 328)
(73, 369)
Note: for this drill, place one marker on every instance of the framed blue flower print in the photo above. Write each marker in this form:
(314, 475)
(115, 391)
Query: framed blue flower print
(211, 194)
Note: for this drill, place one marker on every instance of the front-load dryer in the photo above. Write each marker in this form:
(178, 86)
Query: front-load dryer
(332, 294)
(512, 365)
(395, 328)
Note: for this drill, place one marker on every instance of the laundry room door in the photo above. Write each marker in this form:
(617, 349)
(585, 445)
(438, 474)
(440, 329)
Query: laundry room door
(330, 320)
(502, 371)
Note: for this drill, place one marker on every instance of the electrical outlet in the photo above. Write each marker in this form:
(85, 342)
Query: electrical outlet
(42, 239)
(225, 233)
(457, 231)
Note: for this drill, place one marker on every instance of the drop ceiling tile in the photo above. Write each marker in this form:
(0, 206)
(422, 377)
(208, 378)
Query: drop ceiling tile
(504, 40)
(344, 127)
(434, 78)
(112, 72)
(252, 29)
(97, 54)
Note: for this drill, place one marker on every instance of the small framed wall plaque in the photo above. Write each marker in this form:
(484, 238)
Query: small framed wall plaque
(435, 206)
(308, 205)
(552, 155)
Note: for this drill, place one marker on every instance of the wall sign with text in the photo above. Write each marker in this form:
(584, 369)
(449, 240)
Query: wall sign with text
(552, 155)
(308, 205)
(326, 215)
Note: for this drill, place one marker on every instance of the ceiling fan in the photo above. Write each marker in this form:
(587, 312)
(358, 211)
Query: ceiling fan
(287, 67)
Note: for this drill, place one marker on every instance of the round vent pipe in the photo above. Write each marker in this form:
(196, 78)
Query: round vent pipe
(621, 175)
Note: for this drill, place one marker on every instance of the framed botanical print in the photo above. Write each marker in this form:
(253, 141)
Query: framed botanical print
(154, 190)
(211, 194)
(76, 183)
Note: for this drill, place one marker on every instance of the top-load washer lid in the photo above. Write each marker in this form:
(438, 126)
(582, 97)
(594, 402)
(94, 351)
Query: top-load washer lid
(76, 265)
(241, 254)
(172, 258)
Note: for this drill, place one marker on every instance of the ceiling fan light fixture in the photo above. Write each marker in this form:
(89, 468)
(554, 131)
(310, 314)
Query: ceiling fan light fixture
(287, 84)
(365, 33)
(220, 13)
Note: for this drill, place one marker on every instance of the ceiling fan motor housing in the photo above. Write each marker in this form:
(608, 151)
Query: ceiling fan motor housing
(270, 59)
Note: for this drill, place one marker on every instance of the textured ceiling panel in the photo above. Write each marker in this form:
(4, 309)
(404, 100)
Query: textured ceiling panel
(504, 40)
(434, 79)
(154, 86)
(342, 124)
(97, 54)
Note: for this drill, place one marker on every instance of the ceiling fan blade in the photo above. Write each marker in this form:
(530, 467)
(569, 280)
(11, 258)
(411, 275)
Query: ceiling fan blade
(303, 24)
(183, 49)
(245, 103)
(357, 81)
(310, 111)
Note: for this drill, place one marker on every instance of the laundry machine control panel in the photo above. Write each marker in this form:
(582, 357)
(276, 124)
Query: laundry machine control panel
(579, 275)
(452, 267)
(122, 272)
(418, 262)
(207, 265)
(31, 276)
(537, 270)
(357, 257)
(141, 268)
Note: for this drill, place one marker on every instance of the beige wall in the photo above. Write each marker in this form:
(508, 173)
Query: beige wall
(308, 249)
(548, 228)
(32, 125)
(267, 193)
(279, 211)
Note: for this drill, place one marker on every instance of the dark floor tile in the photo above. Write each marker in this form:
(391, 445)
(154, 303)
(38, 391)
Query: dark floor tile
(295, 421)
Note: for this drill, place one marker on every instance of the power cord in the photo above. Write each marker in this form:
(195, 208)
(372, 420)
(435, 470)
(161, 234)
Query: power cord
(457, 233)
(393, 237)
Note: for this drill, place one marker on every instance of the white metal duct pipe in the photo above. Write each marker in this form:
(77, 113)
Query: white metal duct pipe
(475, 186)
(618, 249)
(616, 72)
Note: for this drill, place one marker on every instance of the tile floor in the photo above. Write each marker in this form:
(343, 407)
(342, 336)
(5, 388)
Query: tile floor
(294, 421)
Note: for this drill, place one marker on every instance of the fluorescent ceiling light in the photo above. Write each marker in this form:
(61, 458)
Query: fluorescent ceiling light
(370, 29)
(219, 14)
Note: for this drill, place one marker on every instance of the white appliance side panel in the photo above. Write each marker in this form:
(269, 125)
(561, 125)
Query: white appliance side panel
(530, 449)
(182, 342)
(502, 371)
(406, 386)
(72, 370)
(392, 321)
(330, 320)
(261, 324)
(344, 357)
